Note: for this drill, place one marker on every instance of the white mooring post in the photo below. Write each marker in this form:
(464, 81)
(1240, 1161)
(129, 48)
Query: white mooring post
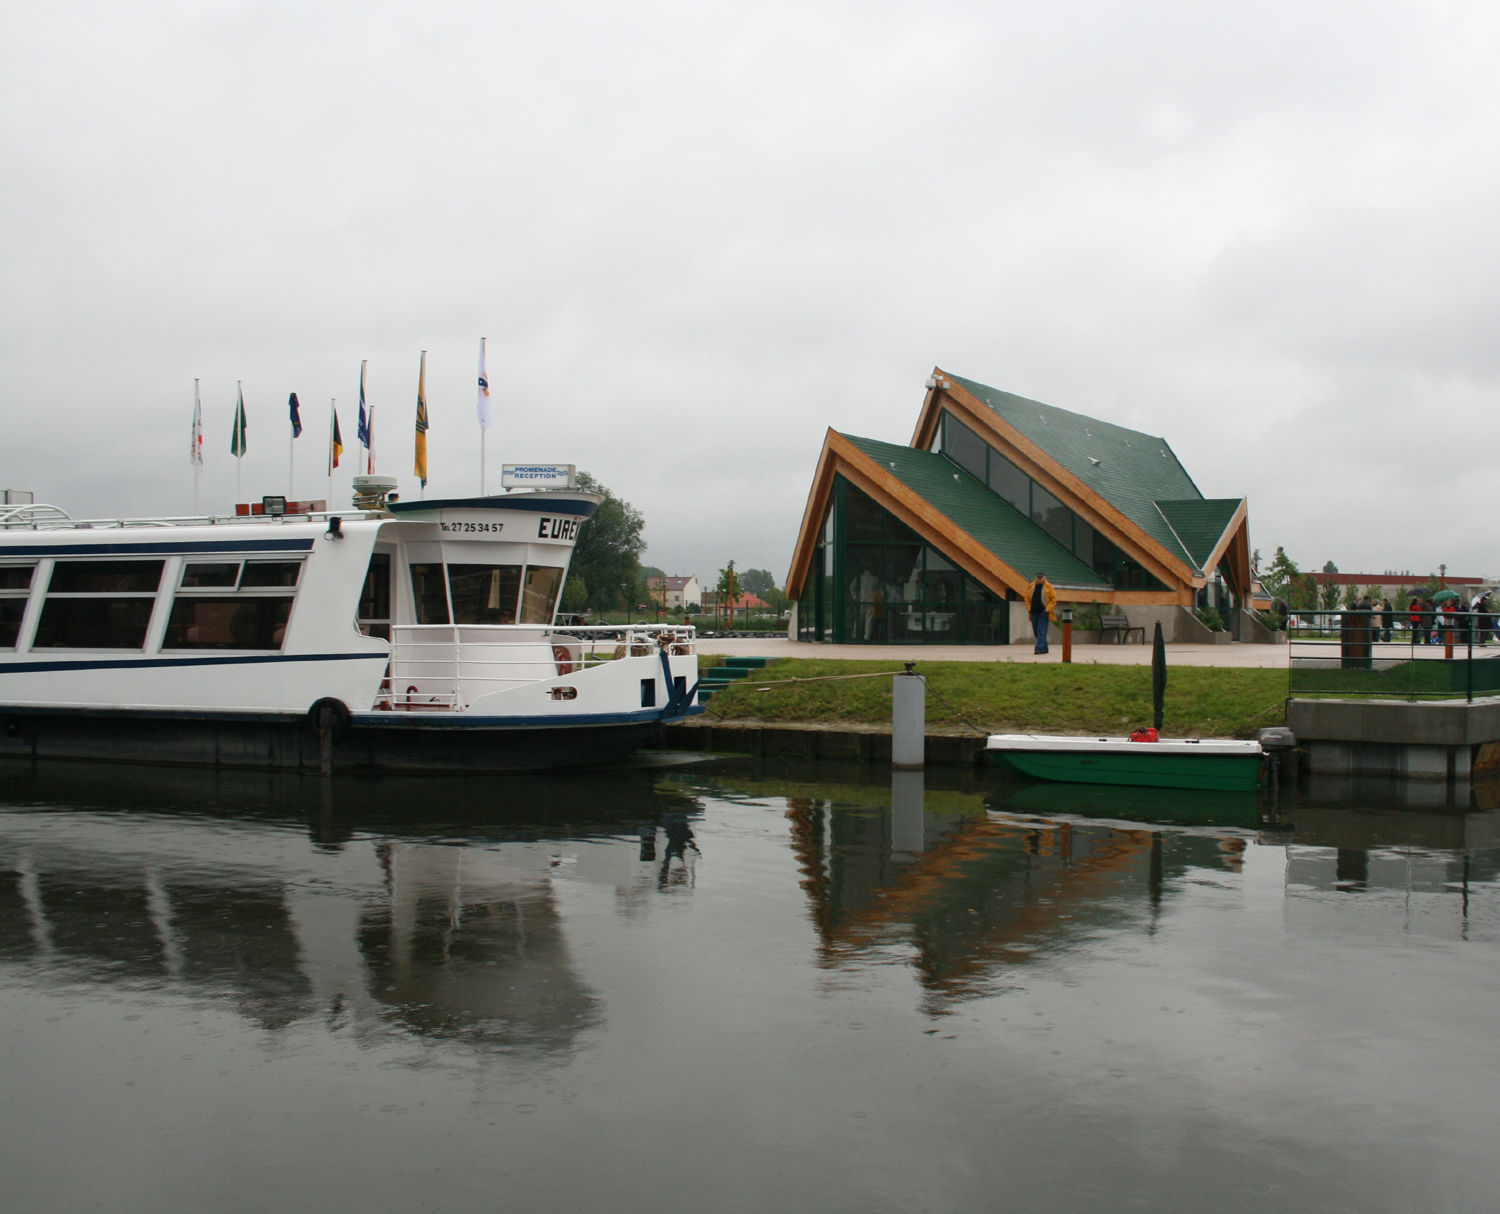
(909, 719)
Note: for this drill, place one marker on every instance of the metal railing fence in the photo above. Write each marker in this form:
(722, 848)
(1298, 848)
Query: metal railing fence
(440, 667)
(1387, 655)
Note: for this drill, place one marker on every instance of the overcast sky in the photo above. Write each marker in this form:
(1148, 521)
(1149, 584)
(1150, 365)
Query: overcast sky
(696, 235)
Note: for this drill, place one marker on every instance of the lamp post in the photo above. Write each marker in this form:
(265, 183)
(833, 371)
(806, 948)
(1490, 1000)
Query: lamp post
(1067, 623)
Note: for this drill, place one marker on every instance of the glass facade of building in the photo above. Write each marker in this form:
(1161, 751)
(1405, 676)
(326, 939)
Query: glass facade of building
(873, 580)
(981, 461)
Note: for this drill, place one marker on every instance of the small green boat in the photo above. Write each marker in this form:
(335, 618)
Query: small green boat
(1212, 764)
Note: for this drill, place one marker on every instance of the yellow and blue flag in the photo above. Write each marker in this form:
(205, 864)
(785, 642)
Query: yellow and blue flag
(421, 444)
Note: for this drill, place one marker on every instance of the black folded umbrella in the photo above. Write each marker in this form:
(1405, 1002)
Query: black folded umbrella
(1158, 674)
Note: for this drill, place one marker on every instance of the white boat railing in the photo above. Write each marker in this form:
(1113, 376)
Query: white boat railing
(42, 517)
(445, 667)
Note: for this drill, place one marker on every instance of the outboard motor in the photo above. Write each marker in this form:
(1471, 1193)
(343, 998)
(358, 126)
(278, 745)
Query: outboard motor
(1278, 742)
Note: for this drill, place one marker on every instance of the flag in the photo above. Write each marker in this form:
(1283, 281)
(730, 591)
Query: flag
(196, 454)
(291, 403)
(421, 463)
(485, 416)
(237, 441)
(364, 421)
(335, 443)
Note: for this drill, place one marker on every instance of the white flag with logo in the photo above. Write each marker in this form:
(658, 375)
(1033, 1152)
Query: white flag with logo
(197, 452)
(486, 416)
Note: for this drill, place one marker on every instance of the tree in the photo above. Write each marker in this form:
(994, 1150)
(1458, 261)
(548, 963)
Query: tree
(652, 571)
(759, 582)
(1330, 567)
(1329, 598)
(575, 594)
(1279, 577)
(607, 556)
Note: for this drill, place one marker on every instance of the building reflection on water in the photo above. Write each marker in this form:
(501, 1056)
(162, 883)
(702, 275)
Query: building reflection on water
(965, 896)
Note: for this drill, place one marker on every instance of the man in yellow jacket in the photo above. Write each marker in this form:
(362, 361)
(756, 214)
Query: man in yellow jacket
(1043, 607)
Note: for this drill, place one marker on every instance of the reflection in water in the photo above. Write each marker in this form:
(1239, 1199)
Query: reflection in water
(565, 992)
(460, 934)
(973, 895)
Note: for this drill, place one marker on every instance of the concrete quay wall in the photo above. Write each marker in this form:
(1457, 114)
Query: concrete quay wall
(1441, 740)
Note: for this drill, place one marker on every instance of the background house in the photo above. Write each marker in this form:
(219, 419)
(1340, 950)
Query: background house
(679, 591)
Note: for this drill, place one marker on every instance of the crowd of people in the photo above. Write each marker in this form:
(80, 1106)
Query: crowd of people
(1430, 623)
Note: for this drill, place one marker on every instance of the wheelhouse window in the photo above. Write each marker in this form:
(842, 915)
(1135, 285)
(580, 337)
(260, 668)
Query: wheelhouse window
(429, 591)
(232, 605)
(539, 597)
(98, 604)
(15, 589)
(484, 594)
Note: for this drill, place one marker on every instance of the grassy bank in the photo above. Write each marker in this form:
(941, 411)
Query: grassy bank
(1014, 697)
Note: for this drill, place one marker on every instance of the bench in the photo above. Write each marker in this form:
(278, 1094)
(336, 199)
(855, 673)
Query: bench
(1119, 624)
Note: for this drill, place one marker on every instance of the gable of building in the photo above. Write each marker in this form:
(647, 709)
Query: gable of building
(1129, 469)
(988, 519)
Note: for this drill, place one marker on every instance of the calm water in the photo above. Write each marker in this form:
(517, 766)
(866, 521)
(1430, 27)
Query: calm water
(741, 987)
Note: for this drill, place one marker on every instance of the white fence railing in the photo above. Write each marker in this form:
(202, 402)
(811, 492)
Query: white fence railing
(446, 667)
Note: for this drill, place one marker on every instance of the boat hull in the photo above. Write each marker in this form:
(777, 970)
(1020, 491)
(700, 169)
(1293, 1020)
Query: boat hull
(285, 742)
(1138, 767)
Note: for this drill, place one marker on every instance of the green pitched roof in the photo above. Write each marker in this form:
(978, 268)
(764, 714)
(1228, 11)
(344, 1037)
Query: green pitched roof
(1199, 524)
(986, 516)
(1133, 470)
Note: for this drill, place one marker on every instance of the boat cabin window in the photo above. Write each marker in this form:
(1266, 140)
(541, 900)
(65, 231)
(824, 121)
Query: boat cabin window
(430, 593)
(484, 594)
(375, 598)
(98, 605)
(539, 599)
(232, 605)
(15, 589)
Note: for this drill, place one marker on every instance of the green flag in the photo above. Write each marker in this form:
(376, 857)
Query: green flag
(237, 442)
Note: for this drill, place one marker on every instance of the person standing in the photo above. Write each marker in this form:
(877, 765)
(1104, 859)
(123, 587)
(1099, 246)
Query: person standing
(1042, 608)
(1414, 619)
(1387, 619)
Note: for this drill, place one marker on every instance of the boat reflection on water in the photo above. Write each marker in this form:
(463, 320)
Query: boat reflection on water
(434, 908)
(1156, 806)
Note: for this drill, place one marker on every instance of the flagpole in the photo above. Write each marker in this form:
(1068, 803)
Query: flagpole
(484, 414)
(239, 458)
(197, 460)
(291, 467)
(370, 446)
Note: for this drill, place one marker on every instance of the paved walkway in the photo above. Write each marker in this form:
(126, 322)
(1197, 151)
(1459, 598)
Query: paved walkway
(1248, 656)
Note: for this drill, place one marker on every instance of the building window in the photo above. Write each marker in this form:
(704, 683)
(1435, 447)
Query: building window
(98, 605)
(893, 588)
(15, 590)
(957, 441)
(232, 605)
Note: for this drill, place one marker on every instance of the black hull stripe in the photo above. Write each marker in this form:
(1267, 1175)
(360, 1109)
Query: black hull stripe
(163, 548)
(134, 663)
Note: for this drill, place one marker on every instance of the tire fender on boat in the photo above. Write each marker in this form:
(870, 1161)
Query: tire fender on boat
(338, 716)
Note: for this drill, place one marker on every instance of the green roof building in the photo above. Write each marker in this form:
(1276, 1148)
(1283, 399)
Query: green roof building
(938, 541)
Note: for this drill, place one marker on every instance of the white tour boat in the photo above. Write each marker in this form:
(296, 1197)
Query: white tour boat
(400, 635)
